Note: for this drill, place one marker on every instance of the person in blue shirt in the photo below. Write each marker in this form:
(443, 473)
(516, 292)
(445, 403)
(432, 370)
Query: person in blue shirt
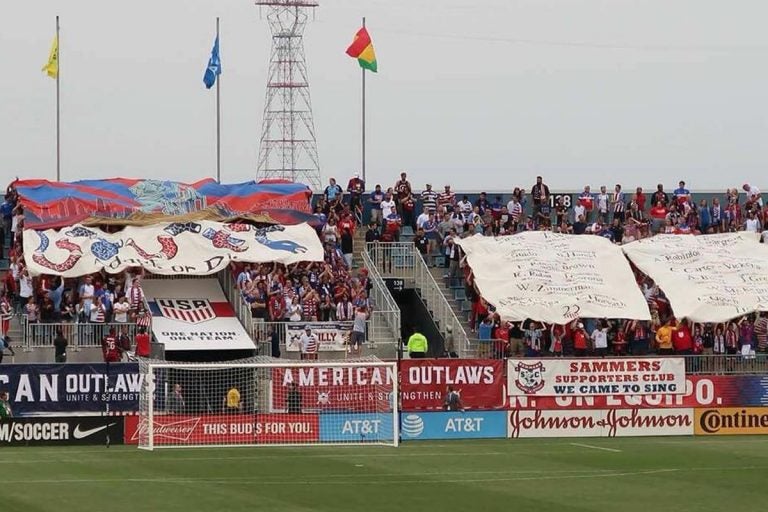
(682, 194)
(484, 335)
(333, 194)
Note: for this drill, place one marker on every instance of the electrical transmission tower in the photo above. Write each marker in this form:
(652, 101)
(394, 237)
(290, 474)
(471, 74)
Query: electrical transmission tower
(288, 147)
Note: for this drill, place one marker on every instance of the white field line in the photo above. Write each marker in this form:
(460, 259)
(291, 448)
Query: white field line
(592, 447)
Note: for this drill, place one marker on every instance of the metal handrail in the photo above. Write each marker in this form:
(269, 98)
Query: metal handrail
(384, 307)
(403, 260)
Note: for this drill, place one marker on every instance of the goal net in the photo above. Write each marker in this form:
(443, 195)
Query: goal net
(266, 401)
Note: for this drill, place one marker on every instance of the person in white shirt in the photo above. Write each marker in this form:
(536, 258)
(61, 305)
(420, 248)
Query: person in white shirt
(752, 224)
(600, 339)
(464, 206)
(602, 204)
(422, 218)
(753, 194)
(579, 211)
(308, 344)
(86, 295)
(121, 309)
(295, 312)
(388, 206)
(26, 288)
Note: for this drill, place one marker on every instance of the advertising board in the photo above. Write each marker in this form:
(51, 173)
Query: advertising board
(479, 382)
(725, 421)
(700, 391)
(63, 430)
(39, 389)
(593, 377)
(331, 336)
(453, 425)
(355, 427)
(190, 429)
(601, 423)
(324, 388)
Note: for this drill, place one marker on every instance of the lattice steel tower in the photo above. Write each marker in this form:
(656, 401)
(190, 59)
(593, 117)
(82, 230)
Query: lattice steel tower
(288, 147)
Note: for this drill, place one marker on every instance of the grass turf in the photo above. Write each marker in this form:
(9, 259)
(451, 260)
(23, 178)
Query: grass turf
(637, 474)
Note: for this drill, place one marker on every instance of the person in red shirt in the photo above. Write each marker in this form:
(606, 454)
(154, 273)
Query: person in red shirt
(682, 339)
(658, 216)
(110, 348)
(276, 304)
(142, 343)
(580, 341)
(639, 198)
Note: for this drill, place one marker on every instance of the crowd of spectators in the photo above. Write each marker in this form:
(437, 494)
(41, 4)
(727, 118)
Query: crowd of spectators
(331, 290)
(616, 215)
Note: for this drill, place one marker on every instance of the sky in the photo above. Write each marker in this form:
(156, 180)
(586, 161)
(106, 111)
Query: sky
(482, 94)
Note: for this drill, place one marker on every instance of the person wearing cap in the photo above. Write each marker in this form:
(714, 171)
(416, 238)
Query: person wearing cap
(308, 344)
(356, 187)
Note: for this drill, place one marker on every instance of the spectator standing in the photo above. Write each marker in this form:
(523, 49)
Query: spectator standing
(110, 348)
(664, 339)
(372, 234)
(639, 199)
(485, 343)
(402, 190)
(333, 195)
(602, 205)
(579, 341)
(428, 199)
(355, 188)
(482, 203)
(446, 199)
(753, 194)
(682, 194)
(121, 310)
(293, 399)
(60, 345)
(142, 343)
(388, 206)
(309, 344)
(6, 314)
(357, 337)
(660, 196)
(617, 203)
(539, 194)
(377, 196)
(586, 204)
(600, 339)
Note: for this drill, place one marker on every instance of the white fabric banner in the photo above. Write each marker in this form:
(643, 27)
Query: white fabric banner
(191, 248)
(554, 278)
(707, 278)
(331, 336)
(596, 377)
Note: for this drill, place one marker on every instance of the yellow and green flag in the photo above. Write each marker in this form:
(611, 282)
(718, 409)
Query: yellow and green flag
(52, 67)
(362, 50)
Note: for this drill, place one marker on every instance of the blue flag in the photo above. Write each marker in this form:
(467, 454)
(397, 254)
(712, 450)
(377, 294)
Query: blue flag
(214, 66)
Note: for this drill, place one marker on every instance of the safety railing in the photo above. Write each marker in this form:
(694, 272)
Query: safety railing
(384, 323)
(235, 298)
(79, 335)
(403, 260)
(736, 364)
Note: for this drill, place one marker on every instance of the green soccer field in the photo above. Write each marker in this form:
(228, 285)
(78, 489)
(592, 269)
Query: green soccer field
(638, 474)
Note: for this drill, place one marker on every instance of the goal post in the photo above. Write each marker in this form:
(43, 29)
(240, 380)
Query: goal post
(266, 402)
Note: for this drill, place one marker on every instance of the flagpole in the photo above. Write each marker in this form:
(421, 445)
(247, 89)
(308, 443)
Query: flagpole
(363, 71)
(58, 110)
(218, 117)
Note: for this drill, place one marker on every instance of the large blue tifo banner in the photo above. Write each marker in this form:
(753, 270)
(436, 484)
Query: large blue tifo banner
(39, 389)
(453, 425)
